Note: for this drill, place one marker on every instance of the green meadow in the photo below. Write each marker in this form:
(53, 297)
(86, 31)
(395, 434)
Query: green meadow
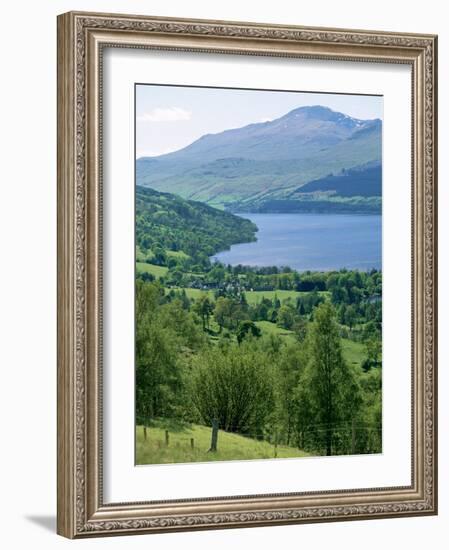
(231, 446)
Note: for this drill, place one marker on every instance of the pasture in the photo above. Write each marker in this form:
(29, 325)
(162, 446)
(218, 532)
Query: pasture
(230, 446)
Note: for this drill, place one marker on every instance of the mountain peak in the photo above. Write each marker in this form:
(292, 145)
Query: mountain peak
(321, 113)
(312, 110)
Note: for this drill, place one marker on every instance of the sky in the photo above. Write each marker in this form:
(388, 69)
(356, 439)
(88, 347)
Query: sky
(169, 118)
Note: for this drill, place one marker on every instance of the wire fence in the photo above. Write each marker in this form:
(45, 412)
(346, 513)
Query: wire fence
(348, 437)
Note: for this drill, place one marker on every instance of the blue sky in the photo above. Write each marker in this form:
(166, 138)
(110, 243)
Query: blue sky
(170, 117)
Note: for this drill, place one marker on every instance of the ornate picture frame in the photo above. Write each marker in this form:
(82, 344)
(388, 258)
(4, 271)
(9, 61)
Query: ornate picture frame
(82, 39)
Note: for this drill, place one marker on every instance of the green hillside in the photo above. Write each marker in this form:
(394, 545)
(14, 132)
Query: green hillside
(167, 224)
(231, 446)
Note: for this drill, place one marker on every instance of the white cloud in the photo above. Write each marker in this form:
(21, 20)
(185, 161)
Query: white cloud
(165, 114)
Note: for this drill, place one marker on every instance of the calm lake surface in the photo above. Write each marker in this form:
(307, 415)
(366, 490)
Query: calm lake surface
(319, 242)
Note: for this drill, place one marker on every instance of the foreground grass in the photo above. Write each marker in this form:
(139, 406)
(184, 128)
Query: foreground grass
(230, 446)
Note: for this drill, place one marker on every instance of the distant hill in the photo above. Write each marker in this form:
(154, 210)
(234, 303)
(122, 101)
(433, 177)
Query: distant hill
(363, 181)
(244, 168)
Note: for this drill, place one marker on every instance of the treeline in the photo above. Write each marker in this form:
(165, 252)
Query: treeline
(348, 286)
(298, 392)
(313, 204)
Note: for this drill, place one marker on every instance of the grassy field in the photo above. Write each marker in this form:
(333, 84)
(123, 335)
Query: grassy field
(254, 296)
(156, 270)
(195, 293)
(353, 352)
(230, 446)
(271, 328)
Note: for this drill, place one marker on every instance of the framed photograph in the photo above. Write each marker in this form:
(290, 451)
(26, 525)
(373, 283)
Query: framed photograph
(246, 274)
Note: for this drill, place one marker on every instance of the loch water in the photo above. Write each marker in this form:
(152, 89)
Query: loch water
(316, 242)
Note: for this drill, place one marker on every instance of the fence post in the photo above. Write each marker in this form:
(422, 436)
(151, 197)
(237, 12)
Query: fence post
(167, 439)
(214, 438)
(275, 444)
(192, 443)
(145, 433)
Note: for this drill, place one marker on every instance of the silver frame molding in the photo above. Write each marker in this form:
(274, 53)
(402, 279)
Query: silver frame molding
(81, 39)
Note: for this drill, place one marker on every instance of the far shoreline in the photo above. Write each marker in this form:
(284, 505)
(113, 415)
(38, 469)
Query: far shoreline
(241, 214)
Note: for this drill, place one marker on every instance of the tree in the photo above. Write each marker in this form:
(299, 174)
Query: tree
(176, 276)
(369, 418)
(229, 312)
(371, 330)
(234, 386)
(329, 393)
(216, 274)
(184, 299)
(262, 312)
(373, 348)
(147, 299)
(204, 308)
(339, 295)
(301, 308)
(247, 328)
(286, 317)
(160, 256)
(300, 329)
(184, 331)
(146, 277)
(222, 311)
(350, 317)
(157, 370)
(273, 315)
(276, 302)
(172, 263)
(289, 368)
